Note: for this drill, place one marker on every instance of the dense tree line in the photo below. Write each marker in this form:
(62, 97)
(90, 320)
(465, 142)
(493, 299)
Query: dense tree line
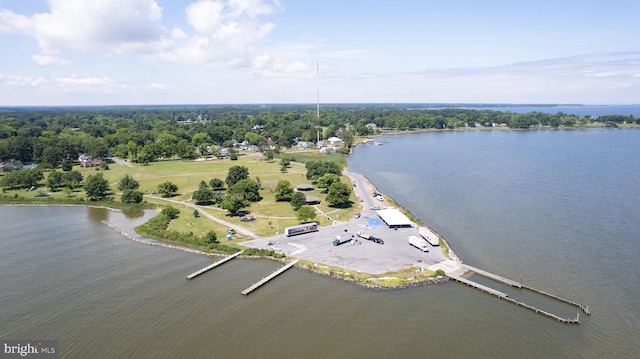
(50, 136)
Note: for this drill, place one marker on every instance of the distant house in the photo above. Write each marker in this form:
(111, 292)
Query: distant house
(304, 145)
(329, 149)
(87, 161)
(247, 147)
(334, 140)
(224, 152)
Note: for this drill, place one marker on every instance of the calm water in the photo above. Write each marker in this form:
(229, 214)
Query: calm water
(557, 207)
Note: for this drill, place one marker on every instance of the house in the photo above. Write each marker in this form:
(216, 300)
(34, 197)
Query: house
(304, 145)
(334, 140)
(247, 147)
(87, 161)
(329, 149)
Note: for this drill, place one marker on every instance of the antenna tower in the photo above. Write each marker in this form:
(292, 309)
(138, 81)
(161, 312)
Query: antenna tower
(318, 102)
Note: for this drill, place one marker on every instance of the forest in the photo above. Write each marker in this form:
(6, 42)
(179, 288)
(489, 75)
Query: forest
(49, 136)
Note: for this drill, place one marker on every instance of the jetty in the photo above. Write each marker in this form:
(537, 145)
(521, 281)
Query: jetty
(504, 296)
(271, 276)
(211, 266)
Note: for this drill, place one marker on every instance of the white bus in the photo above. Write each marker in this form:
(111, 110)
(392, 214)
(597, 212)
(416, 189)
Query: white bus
(301, 229)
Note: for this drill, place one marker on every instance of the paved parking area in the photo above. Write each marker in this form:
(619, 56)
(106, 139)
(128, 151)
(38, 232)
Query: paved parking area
(365, 256)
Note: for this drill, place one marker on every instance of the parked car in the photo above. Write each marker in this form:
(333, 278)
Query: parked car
(357, 215)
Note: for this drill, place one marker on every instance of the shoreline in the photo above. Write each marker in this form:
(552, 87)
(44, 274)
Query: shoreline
(343, 272)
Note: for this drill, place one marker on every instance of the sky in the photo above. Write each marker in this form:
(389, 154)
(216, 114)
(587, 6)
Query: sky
(141, 52)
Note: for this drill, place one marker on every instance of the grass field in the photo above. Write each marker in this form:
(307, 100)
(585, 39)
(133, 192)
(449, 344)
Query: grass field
(271, 216)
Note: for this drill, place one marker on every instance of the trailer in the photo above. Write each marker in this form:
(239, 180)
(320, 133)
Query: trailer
(419, 243)
(431, 237)
(342, 239)
(370, 238)
(301, 229)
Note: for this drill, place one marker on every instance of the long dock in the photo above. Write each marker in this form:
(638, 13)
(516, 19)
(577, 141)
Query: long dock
(271, 276)
(209, 267)
(512, 283)
(495, 277)
(479, 286)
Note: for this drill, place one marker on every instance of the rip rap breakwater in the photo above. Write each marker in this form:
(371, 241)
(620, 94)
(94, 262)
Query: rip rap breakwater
(153, 243)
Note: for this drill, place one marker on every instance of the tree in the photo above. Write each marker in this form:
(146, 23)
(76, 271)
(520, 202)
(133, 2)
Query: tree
(196, 213)
(306, 214)
(200, 140)
(315, 169)
(269, 156)
(131, 196)
(338, 194)
(128, 183)
(96, 187)
(167, 189)
(326, 180)
(170, 212)
(298, 199)
(54, 180)
(203, 194)
(210, 237)
(233, 203)
(235, 174)
(71, 179)
(67, 165)
(216, 184)
(285, 163)
(283, 191)
(247, 188)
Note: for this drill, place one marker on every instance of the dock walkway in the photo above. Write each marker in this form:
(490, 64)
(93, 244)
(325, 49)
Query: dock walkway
(271, 276)
(491, 276)
(479, 286)
(209, 267)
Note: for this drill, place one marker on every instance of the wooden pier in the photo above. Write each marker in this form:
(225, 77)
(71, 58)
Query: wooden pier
(512, 283)
(495, 277)
(271, 276)
(209, 267)
(479, 286)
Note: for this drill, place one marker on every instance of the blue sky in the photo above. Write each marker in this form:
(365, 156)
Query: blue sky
(112, 52)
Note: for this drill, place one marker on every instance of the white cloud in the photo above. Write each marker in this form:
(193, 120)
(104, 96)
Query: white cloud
(45, 60)
(84, 81)
(158, 86)
(226, 31)
(22, 81)
(205, 16)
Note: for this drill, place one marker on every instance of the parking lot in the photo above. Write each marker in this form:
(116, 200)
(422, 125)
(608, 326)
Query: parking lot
(365, 256)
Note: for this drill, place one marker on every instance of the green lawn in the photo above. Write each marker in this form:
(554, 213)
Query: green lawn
(271, 216)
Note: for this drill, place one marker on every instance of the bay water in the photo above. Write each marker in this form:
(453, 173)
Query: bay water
(555, 208)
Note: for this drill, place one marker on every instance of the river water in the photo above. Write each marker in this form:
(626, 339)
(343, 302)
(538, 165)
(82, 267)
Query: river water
(558, 208)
